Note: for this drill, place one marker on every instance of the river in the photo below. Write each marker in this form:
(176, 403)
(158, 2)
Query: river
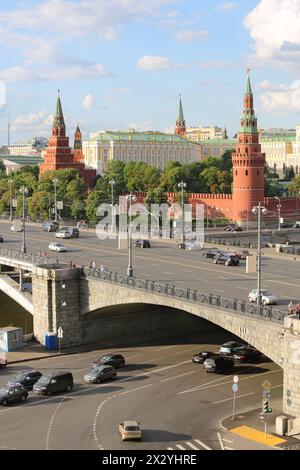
(12, 314)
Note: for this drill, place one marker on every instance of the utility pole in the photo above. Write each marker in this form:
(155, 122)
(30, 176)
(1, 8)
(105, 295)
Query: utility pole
(55, 181)
(112, 183)
(259, 210)
(10, 200)
(24, 191)
(182, 186)
(131, 198)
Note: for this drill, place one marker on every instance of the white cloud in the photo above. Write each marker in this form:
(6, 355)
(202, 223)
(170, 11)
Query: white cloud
(149, 62)
(88, 101)
(227, 6)
(28, 73)
(189, 35)
(281, 97)
(274, 28)
(270, 86)
(40, 121)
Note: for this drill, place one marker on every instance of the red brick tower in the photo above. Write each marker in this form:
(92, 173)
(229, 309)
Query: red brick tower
(180, 128)
(58, 154)
(248, 164)
(78, 155)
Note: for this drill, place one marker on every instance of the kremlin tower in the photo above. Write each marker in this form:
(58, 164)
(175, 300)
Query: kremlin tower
(248, 164)
(59, 154)
(180, 128)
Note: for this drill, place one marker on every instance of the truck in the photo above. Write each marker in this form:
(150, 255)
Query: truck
(17, 226)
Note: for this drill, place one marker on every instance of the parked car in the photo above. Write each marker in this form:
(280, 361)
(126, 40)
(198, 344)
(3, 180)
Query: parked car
(218, 364)
(246, 354)
(190, 246)
(1, 239)
(211, 254)
(50, 226)
(12, 394)
(57, 247)
(115, 360)
(141, 244)
(202, 356)
(3, 363)
(63, 234)
(100, 374)
(17, 226)
(267, 297)
(130, 430)
(227, 259)
(242, 254)
(26, 378)
(54, 382)
(228, 348)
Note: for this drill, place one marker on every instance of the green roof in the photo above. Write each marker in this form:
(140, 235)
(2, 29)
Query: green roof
(279, 138)
(219, 141)
(23, 159)
(139, 137)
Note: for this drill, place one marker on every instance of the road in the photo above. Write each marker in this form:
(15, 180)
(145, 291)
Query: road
(177, 403)
(166, 263)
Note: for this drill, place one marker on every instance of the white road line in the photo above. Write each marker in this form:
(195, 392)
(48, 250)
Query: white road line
(226, 440)
(202, 444)
(186, 271)
(176, 376)
(51, 423)
(180, 447)
(170, 448)
(134, 390)
(220, 441)
(185, 350)
(285, 283)
(228, 448)
(166, 272)
(152, 360)
(276, 386)
(243, 288)
(230, 399)
(164, 348)
(191, 445)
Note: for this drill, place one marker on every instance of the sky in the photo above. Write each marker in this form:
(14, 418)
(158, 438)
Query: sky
(122, 64)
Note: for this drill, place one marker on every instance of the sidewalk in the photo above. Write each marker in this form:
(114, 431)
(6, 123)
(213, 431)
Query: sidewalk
(249, 425)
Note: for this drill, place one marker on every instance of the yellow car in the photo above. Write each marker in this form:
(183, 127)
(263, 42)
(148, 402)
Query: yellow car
(130, 430)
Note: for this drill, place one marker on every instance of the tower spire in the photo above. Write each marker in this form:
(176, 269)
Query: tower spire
(248, 120)
(59, 117)
(180, 123)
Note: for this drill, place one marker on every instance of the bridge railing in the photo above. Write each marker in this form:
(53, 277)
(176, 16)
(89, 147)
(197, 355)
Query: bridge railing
(188, 295)
(29, 258)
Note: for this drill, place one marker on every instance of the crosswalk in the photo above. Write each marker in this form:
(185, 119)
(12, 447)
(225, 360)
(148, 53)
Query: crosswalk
(196, 444)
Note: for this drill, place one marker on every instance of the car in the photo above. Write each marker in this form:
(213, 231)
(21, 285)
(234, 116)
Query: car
(54, 382)
(17, 226)
(130, 430)
(190, 246)
(1, 239)
(63, 234)
(25, 378)
(267, 297)
(229, 227)
(218, 364)
(242, 254)
(141, 244)
(74, 232)
(115, 360)
(296, 225)
(211, 254)
(236, 229)
(227, 259)
(228, 348)
(100, 374)
(57, 247)
(246, 354)
(3, 363)
(50, 226)
(202, 356)
(12, 394)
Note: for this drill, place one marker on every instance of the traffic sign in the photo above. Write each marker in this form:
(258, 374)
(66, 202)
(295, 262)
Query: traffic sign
(235, 379)
(266, 385)
(266, 393)
(235, 388)
(60, 333)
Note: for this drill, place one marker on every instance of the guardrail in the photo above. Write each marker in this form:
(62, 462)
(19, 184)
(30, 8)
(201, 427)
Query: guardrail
(188, 295)
(29, 258)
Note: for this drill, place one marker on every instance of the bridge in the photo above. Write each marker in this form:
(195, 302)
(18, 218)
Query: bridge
(84, 302)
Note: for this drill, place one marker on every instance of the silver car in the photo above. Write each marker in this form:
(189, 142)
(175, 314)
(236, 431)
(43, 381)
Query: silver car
(99, 374)
(267, 297)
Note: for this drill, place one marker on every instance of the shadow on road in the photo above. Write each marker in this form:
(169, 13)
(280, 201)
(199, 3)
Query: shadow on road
(159, 435)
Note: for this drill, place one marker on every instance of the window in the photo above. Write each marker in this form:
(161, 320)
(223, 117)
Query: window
(257, 172)
(236, 173)
(15, 336)
(246, 172)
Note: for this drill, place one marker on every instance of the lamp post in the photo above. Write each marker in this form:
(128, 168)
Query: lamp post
(10, 200)
(55, 181)
(182, 186)
(24, 191)
(259, 210)
(112, 183)
(279, 212)
(131, 198)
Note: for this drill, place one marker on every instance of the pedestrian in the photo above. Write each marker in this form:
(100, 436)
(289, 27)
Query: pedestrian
(290, 308)
(71, 264)
(90, 265)
(298, 311)
(94, 264)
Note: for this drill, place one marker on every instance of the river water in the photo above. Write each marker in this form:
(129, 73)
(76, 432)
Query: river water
(12, 314)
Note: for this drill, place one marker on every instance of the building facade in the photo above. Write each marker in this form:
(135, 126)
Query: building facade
(29, 147)
(154, 148)
(200, 134)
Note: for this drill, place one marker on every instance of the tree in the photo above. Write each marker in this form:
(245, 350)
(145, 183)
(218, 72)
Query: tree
(155, 196)
(38, 205)
(173, 173)
(140, 176)
(294, 186)
(94, 200)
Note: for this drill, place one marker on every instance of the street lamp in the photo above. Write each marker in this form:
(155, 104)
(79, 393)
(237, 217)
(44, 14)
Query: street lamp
(24, 191)
(55, 181)
(131, 198)
(112, 183)
(182, 186)
(259, 210)
(278, 209)
(10, 200)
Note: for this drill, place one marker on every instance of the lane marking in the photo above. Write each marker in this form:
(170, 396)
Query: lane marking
(192, 446)
(186, 271)
(177, 376)
(134, 389)
(237, 396)
(164, 348)
(180, 447)
(228, 448)
(226, 440)
(202, 444)
(170, 448)
(220, 441)
(51, 423)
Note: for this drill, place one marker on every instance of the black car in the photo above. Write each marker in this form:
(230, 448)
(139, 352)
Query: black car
(74, 232)
(26, 378)
(211, 254)
(50, 226)
(229, 227)
(12, 394)
(246, 354)
(202, 356)
(141, 244)
(115, 360)
(236, 229)
(54, 382)
(1, 239)
(228, 348)
(218, 364)
(228, 260)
